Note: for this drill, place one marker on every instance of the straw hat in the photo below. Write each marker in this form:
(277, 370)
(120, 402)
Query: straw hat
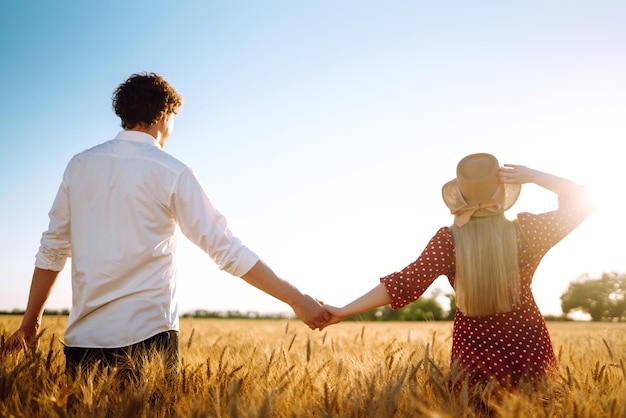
(476, 191)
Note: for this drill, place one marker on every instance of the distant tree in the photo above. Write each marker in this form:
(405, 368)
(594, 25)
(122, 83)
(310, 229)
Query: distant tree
(56, 312)
(452, 311)
(603, 299)
(424, 310)
(202, 313)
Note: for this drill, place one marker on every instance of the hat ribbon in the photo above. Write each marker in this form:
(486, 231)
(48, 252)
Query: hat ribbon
(463, 214)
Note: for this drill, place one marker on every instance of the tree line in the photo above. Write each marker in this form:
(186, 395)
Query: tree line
(603, 299)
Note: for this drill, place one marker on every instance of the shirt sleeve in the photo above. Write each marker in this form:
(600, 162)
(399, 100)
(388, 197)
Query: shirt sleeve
(438, 258)
(206, 227)
(55, 246)
(543, 231)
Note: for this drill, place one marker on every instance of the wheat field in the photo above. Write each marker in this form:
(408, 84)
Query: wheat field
(280, 368)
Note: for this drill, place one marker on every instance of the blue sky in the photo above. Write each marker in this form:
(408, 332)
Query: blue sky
(323, 130)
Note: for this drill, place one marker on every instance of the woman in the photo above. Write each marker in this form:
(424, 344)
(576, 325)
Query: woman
(499, 334)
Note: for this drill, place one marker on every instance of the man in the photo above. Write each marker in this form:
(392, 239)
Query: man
(115, 215)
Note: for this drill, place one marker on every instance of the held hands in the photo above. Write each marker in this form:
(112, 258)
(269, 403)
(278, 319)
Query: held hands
(373, 299)
(336, 316)
(311, 312)
(316, 315)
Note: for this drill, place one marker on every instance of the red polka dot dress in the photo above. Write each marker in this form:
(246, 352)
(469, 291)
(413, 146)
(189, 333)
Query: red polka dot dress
(508, 346)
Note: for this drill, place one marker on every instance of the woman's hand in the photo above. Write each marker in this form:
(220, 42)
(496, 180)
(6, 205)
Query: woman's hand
(519, 174)
(336, 316)
(373, 299)
(516, 174)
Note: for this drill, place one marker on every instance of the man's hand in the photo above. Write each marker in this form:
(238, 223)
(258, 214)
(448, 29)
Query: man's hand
(311, 312)
(305, 307)
(26, 336)
(22, 340)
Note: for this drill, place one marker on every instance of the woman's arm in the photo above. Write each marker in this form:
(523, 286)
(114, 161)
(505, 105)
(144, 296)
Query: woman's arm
(373, 299)
(519, 174)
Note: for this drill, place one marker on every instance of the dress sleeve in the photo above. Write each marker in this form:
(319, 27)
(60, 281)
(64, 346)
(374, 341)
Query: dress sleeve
(543, 231)
(438, 258)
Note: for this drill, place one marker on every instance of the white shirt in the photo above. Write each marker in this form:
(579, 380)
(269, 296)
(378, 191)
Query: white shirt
(116, 215)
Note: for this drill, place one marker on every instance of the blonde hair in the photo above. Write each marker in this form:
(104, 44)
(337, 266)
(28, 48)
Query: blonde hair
(487, 277)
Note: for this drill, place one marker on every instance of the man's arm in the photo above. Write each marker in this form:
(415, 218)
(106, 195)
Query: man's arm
(304, 306)
(40, 289)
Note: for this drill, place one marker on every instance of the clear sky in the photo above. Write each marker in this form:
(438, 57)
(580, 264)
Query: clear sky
(323, 130)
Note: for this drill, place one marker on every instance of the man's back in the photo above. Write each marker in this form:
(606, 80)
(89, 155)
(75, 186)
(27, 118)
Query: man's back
(122, 234)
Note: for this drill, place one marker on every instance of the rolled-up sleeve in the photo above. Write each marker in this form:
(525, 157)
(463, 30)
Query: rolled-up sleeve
(206, 227)
(55, 246)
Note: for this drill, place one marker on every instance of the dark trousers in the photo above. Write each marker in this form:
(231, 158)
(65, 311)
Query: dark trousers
(127, 360)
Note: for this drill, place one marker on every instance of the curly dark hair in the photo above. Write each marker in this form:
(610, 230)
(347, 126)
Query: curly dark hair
(141, 99)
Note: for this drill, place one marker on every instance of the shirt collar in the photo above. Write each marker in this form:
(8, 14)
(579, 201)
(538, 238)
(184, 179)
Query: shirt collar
(136, 136)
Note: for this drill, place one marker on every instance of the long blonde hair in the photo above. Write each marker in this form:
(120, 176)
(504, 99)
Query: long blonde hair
(487, 277)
